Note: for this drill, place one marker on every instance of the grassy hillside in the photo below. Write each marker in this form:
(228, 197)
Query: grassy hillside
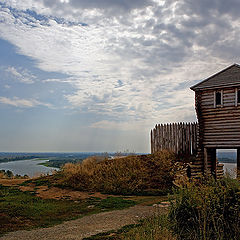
(152, 173)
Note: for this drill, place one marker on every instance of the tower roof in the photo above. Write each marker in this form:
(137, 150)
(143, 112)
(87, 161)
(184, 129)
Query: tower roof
(228, 77)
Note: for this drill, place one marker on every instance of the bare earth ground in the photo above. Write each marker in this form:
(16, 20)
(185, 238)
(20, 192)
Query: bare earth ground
(51, 193)
(57, 193)
(86, 226)
(11, 182)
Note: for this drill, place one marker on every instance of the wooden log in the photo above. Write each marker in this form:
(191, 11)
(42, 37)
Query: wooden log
(154, 138)
(158, 138)
(191, 139)
(176, 138)
(164, 136)
(238, 163)
(205, 160)
(169, 136)
(185, 138)
(161, 136)
(151, 137)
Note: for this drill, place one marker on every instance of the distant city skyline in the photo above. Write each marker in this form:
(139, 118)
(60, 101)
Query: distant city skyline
(96, 76)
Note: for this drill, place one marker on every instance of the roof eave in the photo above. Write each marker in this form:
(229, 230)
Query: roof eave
(215, 87)
(195, 86)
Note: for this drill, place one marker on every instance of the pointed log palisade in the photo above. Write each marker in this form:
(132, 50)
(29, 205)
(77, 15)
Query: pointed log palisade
(217, 104)
(180, 138)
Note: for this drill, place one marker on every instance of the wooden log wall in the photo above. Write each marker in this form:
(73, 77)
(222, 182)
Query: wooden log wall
(198, 165)
(221, 123)
(181, 138)
(205, 161)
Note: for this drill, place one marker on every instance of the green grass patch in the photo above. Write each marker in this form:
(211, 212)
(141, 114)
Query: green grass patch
(115, 203)
(24, 210)
(41, 181)
(46, 164)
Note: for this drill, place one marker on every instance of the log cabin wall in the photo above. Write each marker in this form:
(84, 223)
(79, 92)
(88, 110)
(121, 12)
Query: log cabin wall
(221, 123)
(219, 127)
(197, 166)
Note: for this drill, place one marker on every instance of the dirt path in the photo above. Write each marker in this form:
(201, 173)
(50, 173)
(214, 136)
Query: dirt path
(85, 226)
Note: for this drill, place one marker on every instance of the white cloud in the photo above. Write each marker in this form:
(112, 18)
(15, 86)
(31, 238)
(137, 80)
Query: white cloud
(21, 75)
(136, 65)
(23, 103)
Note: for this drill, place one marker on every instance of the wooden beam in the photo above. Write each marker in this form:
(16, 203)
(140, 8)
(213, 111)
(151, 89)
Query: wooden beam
(205, 160)
(214, 162)
(151, 136)
(236, 97)
(238, 163)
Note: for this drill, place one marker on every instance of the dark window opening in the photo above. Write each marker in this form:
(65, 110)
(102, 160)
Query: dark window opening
(238, 96)
(218, 98)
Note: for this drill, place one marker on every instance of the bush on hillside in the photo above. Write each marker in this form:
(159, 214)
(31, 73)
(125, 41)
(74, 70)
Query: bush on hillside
(207, 209)
(128, 175)
(7, 174)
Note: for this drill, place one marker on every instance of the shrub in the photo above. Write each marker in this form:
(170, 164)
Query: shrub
(128, 175)
(207, 209)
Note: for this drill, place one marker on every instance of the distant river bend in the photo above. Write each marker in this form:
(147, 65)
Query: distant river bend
(28, 167)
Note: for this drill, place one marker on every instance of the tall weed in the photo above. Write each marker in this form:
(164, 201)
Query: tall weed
(153, 228)
(207, 210)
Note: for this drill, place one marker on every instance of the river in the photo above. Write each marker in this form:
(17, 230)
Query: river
(28, 167)
(231, 169)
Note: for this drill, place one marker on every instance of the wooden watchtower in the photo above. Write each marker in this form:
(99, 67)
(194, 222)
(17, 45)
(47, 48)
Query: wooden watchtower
(217, 103)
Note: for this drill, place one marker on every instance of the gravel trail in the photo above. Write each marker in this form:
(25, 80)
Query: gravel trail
(85, 226)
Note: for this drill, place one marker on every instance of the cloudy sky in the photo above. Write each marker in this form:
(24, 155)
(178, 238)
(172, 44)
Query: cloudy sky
(97, 75)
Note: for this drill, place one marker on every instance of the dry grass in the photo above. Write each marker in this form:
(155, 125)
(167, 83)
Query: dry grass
(154, 228)
(131, 174)
(11, 182)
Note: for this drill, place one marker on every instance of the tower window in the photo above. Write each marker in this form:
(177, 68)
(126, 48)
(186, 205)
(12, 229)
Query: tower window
(218, 98)
(238, 96)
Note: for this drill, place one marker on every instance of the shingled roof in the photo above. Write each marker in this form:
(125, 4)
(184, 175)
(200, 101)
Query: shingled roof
(229, 76)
